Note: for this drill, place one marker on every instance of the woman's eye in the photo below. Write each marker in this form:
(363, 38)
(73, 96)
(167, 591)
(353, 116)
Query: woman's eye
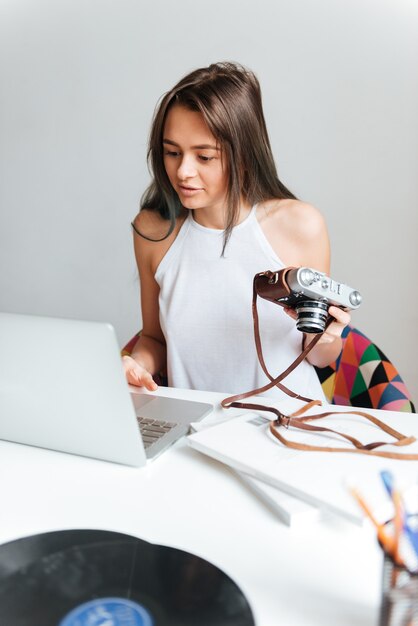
(205, 158)
(171, 153)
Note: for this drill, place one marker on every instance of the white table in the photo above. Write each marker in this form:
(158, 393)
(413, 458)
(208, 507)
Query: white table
(327, 573)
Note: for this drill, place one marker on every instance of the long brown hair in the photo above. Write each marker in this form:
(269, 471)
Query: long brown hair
(229, 97)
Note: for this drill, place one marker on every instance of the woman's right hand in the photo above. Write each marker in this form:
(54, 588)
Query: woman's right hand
(138, 375)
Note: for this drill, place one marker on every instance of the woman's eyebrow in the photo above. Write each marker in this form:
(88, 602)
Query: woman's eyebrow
(203, 146)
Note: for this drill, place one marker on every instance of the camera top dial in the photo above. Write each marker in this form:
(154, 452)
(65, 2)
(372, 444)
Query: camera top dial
(316, 285)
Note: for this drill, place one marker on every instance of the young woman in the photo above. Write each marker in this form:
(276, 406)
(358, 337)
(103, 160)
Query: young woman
(214, 215)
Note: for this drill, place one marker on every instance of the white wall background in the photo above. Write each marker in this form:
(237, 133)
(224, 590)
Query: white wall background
(79, 80)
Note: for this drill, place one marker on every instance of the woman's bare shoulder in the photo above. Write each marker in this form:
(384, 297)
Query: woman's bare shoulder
(294, 214)
(295, 217)
(296, 231)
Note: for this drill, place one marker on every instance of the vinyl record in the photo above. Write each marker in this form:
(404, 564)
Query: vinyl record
(101, 578)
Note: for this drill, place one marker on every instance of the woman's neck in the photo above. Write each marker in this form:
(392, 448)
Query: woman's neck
(217, 218)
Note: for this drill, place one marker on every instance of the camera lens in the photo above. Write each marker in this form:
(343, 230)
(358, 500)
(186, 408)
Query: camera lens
(312, 316)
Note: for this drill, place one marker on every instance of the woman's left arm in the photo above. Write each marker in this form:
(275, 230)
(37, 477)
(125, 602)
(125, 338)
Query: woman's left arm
(329, 345)
(312, 249)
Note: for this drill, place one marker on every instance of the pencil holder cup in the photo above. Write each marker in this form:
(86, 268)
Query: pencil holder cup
(399, 602)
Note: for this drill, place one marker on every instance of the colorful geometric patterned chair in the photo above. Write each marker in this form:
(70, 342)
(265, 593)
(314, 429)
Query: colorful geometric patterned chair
(362, 376)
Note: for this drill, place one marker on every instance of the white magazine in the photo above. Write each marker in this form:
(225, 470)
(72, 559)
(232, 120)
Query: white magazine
(321, 479)
(290, 510)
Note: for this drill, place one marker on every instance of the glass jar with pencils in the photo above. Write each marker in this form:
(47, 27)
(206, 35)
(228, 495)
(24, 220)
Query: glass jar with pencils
(399, 601)
(398, 539)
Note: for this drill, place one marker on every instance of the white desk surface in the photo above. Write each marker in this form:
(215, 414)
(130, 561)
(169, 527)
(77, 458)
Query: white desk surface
(326, 573)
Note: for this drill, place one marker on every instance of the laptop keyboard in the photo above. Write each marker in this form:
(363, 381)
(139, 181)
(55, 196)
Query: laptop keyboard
(153, 429)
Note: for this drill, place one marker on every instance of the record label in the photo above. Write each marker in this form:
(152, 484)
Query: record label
(108, 612)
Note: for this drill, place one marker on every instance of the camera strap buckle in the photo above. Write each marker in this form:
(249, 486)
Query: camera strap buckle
(284, 421)
(273, 278)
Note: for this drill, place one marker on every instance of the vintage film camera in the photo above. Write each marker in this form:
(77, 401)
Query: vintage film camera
(307, 291)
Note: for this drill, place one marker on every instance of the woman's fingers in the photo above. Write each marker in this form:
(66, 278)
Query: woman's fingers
(342, 319)
(138, 375)
(148, 382)
(341, 316)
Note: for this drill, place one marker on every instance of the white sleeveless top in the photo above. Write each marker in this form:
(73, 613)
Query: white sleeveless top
(206, 317)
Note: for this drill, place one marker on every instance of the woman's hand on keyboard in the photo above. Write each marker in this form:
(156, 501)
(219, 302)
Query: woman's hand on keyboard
(138, 375)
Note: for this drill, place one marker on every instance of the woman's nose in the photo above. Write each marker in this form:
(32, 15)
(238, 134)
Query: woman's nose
(187, 168)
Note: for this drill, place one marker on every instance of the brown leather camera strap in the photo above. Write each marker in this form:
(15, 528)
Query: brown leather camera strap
(277, 381)
(297, 420)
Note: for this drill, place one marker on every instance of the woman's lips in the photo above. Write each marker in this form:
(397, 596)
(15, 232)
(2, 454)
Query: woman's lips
(189, 191)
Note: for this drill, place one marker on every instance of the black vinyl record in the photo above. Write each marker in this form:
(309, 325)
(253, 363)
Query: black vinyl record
(101, 578)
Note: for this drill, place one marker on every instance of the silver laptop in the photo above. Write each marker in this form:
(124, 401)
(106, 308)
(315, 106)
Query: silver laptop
(62, 387)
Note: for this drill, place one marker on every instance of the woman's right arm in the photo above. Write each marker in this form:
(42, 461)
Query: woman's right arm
(148, 356)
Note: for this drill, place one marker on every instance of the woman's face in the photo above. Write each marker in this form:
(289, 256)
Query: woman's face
(193, 160)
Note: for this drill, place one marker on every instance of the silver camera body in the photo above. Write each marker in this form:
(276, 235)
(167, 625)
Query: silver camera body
(311, 294)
